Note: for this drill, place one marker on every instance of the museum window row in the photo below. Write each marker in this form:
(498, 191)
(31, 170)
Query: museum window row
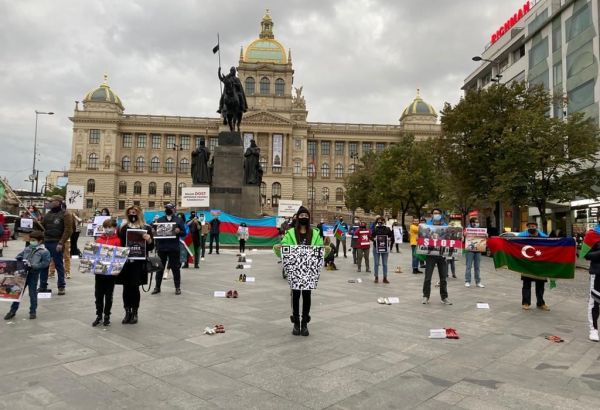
(159, 141)
(264, 86)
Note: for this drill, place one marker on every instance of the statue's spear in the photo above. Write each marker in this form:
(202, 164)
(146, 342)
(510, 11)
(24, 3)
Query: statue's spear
(217, 49)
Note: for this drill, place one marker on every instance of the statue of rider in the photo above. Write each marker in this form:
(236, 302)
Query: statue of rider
(237, 84)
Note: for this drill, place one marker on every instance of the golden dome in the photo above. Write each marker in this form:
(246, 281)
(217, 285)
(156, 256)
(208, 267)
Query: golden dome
(103, 94)
(265, 49)
(419, 107)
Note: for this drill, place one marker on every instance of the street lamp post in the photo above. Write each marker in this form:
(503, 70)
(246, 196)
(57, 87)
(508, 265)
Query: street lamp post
(498, 76)
(177, 148)
(34, 173)
(354, 156)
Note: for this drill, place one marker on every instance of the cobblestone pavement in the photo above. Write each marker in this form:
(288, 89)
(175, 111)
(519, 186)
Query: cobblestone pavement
(360, 354)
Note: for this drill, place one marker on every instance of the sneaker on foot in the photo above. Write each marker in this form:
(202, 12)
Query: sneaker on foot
(61, 291)
(385, 280)
(525, 306)
(376, 280)
(467, 285)
(32, 316)
(446, 302)
(480, 285)
(544, 307)
(594, 337)
(155, 291)
(425, 301)
(178, 291)
(68, 275)
(10, 315)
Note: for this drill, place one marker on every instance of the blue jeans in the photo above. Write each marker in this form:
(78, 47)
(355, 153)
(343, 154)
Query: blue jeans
(31, 283)
(384, 259)
(58, 262)
(415, 260)
(473, 257)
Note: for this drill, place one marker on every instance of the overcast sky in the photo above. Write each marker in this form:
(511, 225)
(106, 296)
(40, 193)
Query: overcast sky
(359, 61)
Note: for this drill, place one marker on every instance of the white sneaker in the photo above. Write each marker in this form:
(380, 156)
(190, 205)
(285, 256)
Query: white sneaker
(425, 301)
(594, 337)
(467, 285)
(480, 285)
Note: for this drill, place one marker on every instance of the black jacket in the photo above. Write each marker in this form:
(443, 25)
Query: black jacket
(594, 257)
(215, 227)
(171, 244)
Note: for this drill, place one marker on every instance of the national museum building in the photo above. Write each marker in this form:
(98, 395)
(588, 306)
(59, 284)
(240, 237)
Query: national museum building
(123, 159)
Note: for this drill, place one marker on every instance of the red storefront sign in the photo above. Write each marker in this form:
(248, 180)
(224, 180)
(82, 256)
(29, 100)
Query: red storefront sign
(511, 22)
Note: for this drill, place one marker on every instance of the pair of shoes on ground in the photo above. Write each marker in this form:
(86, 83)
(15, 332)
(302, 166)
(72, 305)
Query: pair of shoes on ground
(384, 301)
(242, 278)
(594, 337)
(105, 322)
(479, 285)
(213, 330)
(12, 313)
(425, 301)
(131, 316)
(384, 280)
(232, 293)
(451, 333)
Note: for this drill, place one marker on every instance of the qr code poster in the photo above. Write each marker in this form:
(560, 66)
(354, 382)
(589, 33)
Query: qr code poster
(302, 264)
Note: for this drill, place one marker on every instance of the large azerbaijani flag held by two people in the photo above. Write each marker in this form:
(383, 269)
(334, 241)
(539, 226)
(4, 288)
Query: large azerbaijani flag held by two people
(537, 258)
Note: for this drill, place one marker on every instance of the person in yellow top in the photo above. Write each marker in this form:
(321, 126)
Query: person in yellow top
(414, 234)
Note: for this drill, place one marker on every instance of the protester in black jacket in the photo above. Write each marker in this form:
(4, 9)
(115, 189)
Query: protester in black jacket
(215, 229)
(169, 249)
(381, 236)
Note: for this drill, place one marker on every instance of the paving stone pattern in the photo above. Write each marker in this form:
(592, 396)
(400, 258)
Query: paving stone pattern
(360, 354)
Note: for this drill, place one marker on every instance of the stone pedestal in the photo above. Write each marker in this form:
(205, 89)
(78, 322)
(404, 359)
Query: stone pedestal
(228, 191)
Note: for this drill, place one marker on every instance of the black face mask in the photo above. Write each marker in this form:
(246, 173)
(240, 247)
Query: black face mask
(132, 218)
(169, 211)
(532, 231)
(303, 221)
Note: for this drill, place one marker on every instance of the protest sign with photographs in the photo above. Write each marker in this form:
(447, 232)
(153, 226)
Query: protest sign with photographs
(13, 276)
(98, 228)
(165, 230)
(440, 240)
(302, 264)
(89, 231)
(134, 240)
(382, 244)
(475, 239)
(100, 259)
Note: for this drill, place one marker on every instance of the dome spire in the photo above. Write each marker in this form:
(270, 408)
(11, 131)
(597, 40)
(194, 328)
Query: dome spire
(105, 82)
(266, 26)
(418, 93)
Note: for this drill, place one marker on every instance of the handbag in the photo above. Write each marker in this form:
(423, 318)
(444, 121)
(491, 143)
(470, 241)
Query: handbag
(153, 264)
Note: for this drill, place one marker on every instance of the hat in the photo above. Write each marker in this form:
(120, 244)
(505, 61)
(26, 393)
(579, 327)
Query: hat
(303, 210)
(170, 206)
(56, 198)
(37, 235)
(532, 222)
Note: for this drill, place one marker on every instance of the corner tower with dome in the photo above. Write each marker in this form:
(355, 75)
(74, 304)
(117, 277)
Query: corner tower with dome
(123, 159)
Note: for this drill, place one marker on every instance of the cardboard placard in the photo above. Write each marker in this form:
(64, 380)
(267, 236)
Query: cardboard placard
(195, 197)
(475, 239)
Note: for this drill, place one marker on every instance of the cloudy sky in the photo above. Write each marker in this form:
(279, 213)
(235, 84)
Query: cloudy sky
(359, 60)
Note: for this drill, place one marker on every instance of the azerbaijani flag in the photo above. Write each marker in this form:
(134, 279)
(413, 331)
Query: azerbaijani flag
(591, 238)
(537, 258)
(339, 233)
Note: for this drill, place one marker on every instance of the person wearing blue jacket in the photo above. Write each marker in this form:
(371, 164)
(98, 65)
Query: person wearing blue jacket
(168, 249)
(533, 232)
(36, 258)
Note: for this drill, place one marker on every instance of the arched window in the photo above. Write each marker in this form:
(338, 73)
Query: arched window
(325, 194)
(275, 193)
(152, 188)
(279, 87)
(167, 189)
(339, 195)
(137, 188)
(93, 161)
(265, 86)
(107, 162)
(169, 165)
(250, 87)
(125, 163)
(325, 170)
(78, 161)
(91, 186)
(154, 164)
(122, 187)
(351, 168)
(263, 193)
(181, 185)
(311, 170)
(139, 164)
(339, 171)
(184, 165)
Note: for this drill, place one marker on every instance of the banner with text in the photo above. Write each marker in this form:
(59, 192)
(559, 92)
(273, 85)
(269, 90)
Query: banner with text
(440, 240)
(195, 197)
(288, 207)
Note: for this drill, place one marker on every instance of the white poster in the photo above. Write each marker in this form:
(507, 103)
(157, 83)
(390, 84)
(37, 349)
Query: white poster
(397, 234)
(195, 197)
(288, 207)
(277, 150)
(248, 136)
(74, 196)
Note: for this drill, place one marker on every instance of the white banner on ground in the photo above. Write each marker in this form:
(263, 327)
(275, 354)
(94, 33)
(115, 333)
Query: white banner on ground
(288, 207)
(195, 197)
(74, 196)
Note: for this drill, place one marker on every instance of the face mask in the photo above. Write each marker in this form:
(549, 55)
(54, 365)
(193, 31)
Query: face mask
(132, 218)
(532, 231)
(363, 226)
(437, 217)
(303, 221)
(34, 244)
(475, 225)
(110, 231)
(355, 222)
(193, 216)
(169, 211)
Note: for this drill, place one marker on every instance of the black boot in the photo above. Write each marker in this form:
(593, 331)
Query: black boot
(296, 321)
(304, 327)
(106, 320)
(185, 265)
(127, 317)
(97, 321)
(134, 316)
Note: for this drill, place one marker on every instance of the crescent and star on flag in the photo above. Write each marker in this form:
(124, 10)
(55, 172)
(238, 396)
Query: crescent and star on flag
(526, 254)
